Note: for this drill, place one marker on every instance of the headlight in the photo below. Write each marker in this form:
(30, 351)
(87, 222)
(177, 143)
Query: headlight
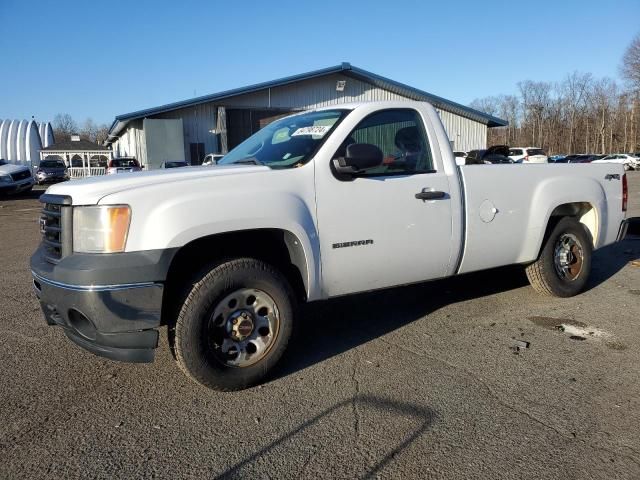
(101, 229)
(6, 179)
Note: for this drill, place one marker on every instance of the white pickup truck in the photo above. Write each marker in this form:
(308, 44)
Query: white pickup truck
(328, 202)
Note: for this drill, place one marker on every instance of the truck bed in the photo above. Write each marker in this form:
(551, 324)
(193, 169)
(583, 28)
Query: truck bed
(507, 208)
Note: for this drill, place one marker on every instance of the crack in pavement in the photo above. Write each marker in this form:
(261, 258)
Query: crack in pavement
(513, 408)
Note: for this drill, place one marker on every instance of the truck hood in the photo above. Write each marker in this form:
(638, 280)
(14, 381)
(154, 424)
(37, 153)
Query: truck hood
(10, 168)
(54, 170)
(90, 190)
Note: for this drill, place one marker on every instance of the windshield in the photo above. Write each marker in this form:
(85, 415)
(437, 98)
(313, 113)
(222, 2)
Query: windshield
(535, 151)
(51, 164)
(124, 162)
(288, 142)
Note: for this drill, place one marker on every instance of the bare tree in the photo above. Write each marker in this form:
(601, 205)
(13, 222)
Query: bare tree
(579, 115)
(64, 126)
(630, 68)
(575, 88)
(102, 133)
(89, 130)
(488, 105)
(536, 97)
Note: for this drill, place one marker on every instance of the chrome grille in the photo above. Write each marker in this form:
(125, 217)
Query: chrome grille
(51, 230)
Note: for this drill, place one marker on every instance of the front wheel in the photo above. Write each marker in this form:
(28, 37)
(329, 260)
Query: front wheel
(564, 264)
(234, 325)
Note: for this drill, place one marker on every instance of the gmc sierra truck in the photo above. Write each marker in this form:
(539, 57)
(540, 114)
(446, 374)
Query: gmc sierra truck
(328, 202)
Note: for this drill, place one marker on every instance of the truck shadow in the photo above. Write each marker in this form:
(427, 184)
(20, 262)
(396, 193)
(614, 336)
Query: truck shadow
(334, 326)
(423, 418)
(609, 260)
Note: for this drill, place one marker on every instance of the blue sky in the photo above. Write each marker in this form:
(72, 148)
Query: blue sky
(100, 59)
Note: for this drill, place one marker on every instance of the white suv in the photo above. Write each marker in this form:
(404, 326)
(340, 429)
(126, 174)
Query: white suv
(528, 155)
(15, 178)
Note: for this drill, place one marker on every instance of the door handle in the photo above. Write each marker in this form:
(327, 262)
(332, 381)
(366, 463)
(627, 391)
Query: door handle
(430, 195)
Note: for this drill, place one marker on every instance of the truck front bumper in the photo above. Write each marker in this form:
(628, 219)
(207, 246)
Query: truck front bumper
(113, 321)
(17, 187)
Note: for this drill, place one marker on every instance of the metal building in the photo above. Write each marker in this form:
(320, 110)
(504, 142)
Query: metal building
(190, 129)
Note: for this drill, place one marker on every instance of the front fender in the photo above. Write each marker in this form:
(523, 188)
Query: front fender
(170, 216)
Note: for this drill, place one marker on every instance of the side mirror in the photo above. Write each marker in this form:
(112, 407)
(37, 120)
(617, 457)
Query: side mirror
(358, 157)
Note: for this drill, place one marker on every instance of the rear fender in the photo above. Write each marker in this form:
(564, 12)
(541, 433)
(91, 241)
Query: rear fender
(556, 192)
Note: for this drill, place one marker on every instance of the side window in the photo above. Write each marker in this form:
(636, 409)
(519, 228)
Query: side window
(401, 137)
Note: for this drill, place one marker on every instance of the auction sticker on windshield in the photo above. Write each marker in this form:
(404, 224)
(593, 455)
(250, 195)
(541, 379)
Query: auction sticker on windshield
(317, 131)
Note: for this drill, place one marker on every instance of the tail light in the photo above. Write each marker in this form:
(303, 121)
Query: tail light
(625, 193)
(526, 158)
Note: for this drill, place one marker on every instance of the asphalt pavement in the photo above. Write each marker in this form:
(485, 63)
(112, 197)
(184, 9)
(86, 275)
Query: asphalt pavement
(418, 382)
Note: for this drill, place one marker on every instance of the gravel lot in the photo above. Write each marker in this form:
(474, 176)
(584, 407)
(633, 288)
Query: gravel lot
(419, 382)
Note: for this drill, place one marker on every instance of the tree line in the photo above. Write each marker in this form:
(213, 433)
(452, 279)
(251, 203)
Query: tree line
(64, 126)
(580, 114)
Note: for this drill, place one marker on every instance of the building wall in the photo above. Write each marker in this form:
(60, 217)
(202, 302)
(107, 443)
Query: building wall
(197, 124)
(199, 121)
(321, 92)
(131, 143)
(466, 134)
(312, 93)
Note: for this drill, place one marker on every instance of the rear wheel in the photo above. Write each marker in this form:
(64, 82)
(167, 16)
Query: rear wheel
(564, 264)
(234, 325)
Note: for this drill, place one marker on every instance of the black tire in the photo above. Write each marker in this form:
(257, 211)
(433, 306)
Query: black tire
(546, 275)
(193, 349)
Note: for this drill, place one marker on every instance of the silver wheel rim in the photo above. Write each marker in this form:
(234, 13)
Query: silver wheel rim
(243, 327)
(568, 257)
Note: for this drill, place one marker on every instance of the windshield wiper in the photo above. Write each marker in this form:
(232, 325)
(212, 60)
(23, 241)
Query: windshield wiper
(249, 161)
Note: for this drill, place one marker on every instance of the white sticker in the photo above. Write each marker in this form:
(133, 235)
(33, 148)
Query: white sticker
(317, 131)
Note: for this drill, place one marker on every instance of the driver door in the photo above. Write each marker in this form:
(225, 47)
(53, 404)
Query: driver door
(374, 231)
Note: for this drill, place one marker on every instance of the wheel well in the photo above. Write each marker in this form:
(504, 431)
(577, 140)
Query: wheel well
(584, 212)
(279, 248)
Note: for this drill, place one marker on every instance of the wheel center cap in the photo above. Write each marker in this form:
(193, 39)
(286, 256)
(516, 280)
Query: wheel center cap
(241, 325)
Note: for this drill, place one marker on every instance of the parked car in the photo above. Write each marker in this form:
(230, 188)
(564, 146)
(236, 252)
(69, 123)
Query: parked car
(212, 159)
(174, 164)
(123, 165)
(460, 157)
(51, 171)
(494, 154)
(570, 158)
(586, 158)
(14, 178)
(629, 162)
(305, 214)
(527, 155)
